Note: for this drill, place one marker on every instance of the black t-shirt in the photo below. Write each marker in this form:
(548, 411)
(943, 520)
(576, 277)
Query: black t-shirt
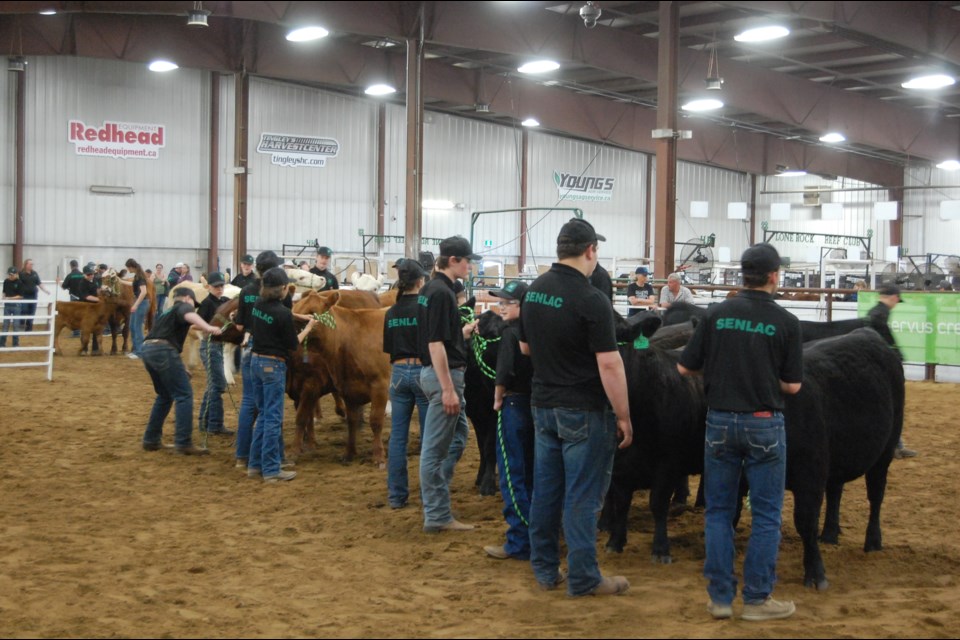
(514, 370)
(248, 297)
(138, 283)
(438, 319)
(745, 347)
(272, 329)
(645, 292)
(87, 288)
(331, 279)
(400, 329)
(171, 325)
(241, 280)
(601, 280)
(566, 322)
(11, 288)
(72, 281)
(208, 308)
(29, 284)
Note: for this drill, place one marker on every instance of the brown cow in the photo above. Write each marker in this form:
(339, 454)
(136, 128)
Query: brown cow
(89, 318)
(349, 357)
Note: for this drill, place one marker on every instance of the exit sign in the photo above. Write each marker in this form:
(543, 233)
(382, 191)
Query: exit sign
(488, 243)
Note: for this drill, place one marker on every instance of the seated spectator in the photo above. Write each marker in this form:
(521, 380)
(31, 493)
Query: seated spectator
(640, 293)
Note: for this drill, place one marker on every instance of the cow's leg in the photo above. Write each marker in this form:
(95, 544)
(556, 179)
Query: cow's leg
(616, 509)
(681, 493)
(378, 406)
(114, 326)
(831, 519)
(229, 368)
(57, 328)
(126, 329)
(876, 488)
(660, 494)
(97, 339)
(488, 443)
(85, 341)
(354, 420)
(806, 515)
(341, 406)
(304, 421)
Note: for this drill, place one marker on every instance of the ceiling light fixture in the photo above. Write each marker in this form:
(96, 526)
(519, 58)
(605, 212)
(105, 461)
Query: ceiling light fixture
(307, 34)
(713, 80)
(531, 122)
(949, 165)
(162, 66)
(197, 17)
(928, 83)
(16, 63)
(48, 12)
(706, 104)
(539, 66)
(784, 171)
(379, 90)
(833, 137)
(762, 34)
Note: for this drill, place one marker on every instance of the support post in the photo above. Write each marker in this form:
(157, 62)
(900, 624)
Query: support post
(648, 207)
(414, 163)
(753, 209)
(241, 135)
(213, 251)
(20, 188)
(524, 150)
(666, 212)
(381, 166)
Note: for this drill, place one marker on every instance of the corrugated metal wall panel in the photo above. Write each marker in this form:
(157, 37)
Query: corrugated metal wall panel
(293, 205)
(621, 219)
(923, 230)
(169, 206)
(476, 166)
(8, 113)
(718, 187)
(395, 185)
(226, 179)
(858, 217)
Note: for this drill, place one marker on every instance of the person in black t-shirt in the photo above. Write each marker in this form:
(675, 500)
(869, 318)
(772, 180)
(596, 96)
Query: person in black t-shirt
(640, 293)
(400, 341)
(578, 375)
(443, 351)
(513, 382)
(29, 286)
(72, 280)
(323, 260)
(87, 291)
(11, 291)
(246, 275)
(274, 337)
(749, 349)
(211, 354)
(140, 307)
(161, 358)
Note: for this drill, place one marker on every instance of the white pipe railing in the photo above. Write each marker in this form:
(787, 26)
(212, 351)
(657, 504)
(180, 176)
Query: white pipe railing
(50, 318)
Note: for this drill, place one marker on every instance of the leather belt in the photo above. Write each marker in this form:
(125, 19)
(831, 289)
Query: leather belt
(409, 361)
(159, 341)
(263, 355)
(507, 394)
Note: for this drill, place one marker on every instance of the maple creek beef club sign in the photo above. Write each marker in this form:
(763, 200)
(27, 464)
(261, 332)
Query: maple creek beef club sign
(118, 139)
(298, 151)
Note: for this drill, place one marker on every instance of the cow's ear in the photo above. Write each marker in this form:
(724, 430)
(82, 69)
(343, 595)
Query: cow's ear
(333, 299)
(291, 289)
(649, 326)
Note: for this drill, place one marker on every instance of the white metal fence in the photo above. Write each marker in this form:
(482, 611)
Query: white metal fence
(12, 329)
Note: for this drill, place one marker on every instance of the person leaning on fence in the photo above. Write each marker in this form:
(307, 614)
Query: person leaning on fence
(29, 286)
(211, 354)
(640, 293)
(11, 291)
(161, 358)
(400, 341)
(674, 292)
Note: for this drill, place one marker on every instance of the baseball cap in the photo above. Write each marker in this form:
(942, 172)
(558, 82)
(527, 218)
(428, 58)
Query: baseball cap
(247, 259)
(457, 247)
(267, 260)
(275, 277)
(409, 267)
(179, 265)
(185, 292)
(889, 290)
(91, 264)
(513, 290)
(642, 270)
(578, 231)
(87, 270)
(215, 279)
(324, 251)
(11, 271)
(760, 258)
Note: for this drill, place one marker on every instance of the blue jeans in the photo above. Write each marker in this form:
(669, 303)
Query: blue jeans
(515, 446)
(28, 308)
(758, 446)
(137, 318)
(269, 383)
(442, 441)
(573, 463)
(211, 407)
(161, 300)
(405, 393)
(172, 385)
(248, 406)
(11, 309)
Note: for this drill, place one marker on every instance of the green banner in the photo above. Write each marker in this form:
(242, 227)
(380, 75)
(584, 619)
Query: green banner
(926, 326)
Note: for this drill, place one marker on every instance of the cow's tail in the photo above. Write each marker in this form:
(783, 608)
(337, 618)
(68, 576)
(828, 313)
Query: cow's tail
(152, 311)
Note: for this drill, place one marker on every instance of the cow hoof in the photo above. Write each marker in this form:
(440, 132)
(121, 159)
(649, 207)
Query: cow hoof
(872, 546)
(820, 584)
(830, 539)
(613, 549)
(661, 559)
(488, 490)
(678, 509)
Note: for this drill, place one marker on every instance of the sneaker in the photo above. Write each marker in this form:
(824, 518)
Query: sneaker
(720, 611)
(287, 465)
(770, 610)
(222, 432)
(903, 452)
(156, 446)
(561, 578)
(499, 552)
(241, 463)
(453, 525)
(253, 472)
(283, 476)
(133, 356)
(611, 586)
(192, 451)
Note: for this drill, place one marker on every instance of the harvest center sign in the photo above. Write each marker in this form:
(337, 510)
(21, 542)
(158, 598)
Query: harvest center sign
(117, 139)
(287, 150)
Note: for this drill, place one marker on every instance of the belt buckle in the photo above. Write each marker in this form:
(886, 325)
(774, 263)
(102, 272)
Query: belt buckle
(762, 414)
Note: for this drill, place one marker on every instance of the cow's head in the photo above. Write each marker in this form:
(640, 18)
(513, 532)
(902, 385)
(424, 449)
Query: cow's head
(491, 325)
(312, 302)
(633, 332)
(110, 283)
(305, 280)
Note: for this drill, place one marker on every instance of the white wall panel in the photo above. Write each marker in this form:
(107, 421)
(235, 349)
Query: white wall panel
(225, 187)
(718, 187)
(168, 208)
(395, 184)
(621, 219)
(8, 94)
(294, 204)
(476, 166)
(923, 230)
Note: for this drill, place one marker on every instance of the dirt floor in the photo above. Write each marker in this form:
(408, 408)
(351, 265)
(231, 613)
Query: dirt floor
(99, 538)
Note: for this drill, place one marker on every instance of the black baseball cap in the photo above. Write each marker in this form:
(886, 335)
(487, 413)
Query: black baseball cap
(409, 267)
(216, 279)
(268, 260)
(889, 290)
(579, 231)
(247, 259)
(11, 271)
(513, 290)
(760, 258)
(642, 270)
(458, 247)
(87, 270)
(275, 277)
(324, 251)
(187, 292)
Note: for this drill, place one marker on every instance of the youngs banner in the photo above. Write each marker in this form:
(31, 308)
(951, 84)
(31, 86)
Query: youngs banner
(287, 150)
(117, 139)
(584, 188)
(926, 326)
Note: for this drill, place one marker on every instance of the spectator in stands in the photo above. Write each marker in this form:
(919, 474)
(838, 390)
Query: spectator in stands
(323, 261)
(11, 291)
(185, 274)
(674, 292)
(641, 293)
(29, 286)
(72, 279)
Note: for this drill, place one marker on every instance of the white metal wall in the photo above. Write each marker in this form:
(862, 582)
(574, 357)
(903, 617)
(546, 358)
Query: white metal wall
(167, 210)
(620, 219)
(225, 178)
(8, 87)
(718, 187)
(858, 216)
(294, 204)
(395, 185)
(923, 230)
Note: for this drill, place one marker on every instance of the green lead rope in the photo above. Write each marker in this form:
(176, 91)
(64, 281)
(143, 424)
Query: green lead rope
(506, 470)
(480, 345)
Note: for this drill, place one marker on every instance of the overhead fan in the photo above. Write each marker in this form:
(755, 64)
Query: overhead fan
(696, 260)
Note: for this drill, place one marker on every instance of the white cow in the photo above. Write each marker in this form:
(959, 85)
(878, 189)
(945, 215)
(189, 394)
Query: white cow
(305, 281)
(366, 282)
(191, 346)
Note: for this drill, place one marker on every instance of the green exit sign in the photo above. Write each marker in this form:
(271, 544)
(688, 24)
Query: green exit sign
(488, 243)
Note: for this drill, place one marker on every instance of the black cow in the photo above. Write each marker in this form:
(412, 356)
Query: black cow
(478, 394)
(680, 312)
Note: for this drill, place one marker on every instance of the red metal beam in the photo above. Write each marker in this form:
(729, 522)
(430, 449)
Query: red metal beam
(20, 186)
(665, 221)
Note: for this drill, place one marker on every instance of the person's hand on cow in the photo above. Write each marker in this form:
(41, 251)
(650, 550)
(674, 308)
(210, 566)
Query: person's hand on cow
(214, 331)
(469, 329)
